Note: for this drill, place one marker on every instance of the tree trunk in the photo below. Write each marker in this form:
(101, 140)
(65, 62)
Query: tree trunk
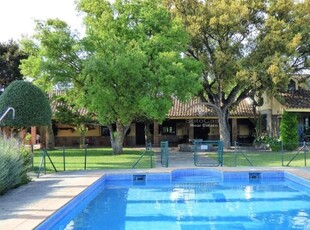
(42, 136)
(224, 128)
(147, 133)
(82, 130)
(117, 137)
(50, 138)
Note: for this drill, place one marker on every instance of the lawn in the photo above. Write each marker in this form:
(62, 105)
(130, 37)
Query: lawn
(96, 158)
(103, 158)
(265, 158)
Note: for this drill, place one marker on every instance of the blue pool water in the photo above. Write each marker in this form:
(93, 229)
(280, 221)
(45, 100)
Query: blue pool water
(189, 199)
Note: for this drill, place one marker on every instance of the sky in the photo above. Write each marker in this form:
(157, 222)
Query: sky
(17, 16)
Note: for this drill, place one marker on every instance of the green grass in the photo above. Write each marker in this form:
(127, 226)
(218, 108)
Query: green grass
(97, 158)
(103, 158)
(265, 159)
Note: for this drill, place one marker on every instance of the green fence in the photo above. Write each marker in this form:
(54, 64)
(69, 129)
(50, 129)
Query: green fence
(208, 153)
(64, 159)
(147, 153)
(275, 155)
(164, 153)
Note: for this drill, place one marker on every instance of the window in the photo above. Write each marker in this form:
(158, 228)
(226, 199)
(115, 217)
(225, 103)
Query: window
(264, 123)
(168, 128)
(105, 131)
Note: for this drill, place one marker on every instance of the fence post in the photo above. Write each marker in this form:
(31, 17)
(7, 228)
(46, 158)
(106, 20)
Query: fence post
(235, 154)
(44, 160)
(221, 153)
(85, 156)
(64, 157)
(305, 153)
(151, 152)
(32, 163)
(164, 153)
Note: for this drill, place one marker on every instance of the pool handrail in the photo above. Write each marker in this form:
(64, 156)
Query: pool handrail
(6, 112)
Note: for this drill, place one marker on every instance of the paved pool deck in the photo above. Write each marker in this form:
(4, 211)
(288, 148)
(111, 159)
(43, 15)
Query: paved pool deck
(27, 206)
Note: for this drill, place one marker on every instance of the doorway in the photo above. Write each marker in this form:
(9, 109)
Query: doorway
(201, 132)
(140, 134)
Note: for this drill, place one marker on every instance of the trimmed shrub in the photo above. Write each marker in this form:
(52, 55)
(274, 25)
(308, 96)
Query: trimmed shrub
(289, 131)
(15, 161)
(31, 105)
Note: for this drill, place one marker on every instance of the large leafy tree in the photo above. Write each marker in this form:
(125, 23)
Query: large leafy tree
(247, 47)
(55, 55)
(138, 67)
(129, 64)
(10, 57)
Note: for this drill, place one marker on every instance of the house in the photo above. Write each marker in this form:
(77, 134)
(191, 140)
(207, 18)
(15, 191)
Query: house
(195, 120)
(296, 99)
(185, 122)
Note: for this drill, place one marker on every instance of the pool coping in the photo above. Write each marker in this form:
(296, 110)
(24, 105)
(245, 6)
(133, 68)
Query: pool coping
(29, 205)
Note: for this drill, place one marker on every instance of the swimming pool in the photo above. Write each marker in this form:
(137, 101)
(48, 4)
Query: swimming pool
(189, 199)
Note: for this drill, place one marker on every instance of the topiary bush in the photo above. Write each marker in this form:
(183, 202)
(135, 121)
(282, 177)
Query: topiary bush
(15, 160)
(31, 105)
(289, 131)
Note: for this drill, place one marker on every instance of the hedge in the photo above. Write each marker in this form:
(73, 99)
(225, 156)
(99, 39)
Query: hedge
(31, 105)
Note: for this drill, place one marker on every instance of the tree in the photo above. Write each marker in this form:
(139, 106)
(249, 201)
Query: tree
(10, 57)
(68, 113)
(31, 106)
(301, 25)
(289, 130)
(55, 55)
(247, 47)
(129, 64)
(138, 67)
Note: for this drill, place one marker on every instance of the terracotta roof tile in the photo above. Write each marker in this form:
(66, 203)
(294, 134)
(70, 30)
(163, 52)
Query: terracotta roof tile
(192, 108)
(195, 108)
(295, 99)
(55, 104)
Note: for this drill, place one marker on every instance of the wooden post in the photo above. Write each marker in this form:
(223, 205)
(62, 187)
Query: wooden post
(33, 134)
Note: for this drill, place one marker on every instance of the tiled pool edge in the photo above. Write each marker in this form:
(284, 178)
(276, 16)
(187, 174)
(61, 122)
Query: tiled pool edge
(297, 179)
(88, 194)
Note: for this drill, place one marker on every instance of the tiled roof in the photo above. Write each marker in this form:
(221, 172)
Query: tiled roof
(55, 104)
(196, 108)
(295, 99)
(192, 108)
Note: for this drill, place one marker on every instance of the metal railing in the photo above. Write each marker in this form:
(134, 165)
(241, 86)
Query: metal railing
(302, 149)
(238, 150)
(6, 112)
(275, 154)
(148, 150)
(43, 162)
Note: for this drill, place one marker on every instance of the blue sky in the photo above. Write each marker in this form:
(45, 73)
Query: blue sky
(17, 16)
